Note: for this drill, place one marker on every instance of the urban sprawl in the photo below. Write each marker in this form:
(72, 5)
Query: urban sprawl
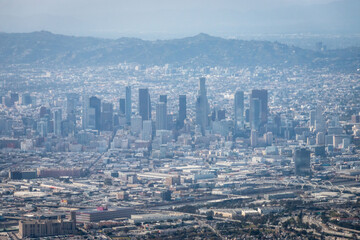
(167, 152)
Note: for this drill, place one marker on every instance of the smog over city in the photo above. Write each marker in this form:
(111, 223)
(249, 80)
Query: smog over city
(202, 119)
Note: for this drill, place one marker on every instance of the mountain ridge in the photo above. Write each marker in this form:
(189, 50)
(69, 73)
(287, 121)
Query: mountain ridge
(46, 48)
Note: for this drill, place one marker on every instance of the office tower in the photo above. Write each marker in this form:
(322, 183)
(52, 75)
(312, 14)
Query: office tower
(144, 104)
(312, 118)
(44, 112)
(346, 142)
(25, 99)
(136, 124)
(277, 122)
(319, 119)
(65, 128)
(90, 118)
(107, 117)
(163, 98)
(146, 132)
(268, 137)
(320, 138)
(302, 161)
(161, 116)
(42, 127)
(95, 103)
(255, 113)
(128, 104)
(254, 138)
(213, 115)
(239, 109)
(202, 107)
(72, 100)
(85, 112)
(71, 103)
(6, 100)
(182, 111)
(247, 115)
(217, 114)
(220, 114)
(262, 97)
(57, 122)
(122, 106)
(14, 97)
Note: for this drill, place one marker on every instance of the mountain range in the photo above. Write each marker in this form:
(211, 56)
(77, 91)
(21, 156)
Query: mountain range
(48, 49)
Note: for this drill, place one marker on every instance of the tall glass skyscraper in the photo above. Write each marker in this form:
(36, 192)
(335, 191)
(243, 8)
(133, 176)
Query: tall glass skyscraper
(239, 109)
(202, 107)
(122, 106)
(128, 104)
(161, 116)
(258, 100)
(95, 103)
(144, 104)
(182, 111)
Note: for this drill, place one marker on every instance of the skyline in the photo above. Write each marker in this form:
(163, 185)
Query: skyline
(193, 119)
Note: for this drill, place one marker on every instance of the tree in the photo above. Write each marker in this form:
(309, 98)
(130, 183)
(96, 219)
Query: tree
(210, 215)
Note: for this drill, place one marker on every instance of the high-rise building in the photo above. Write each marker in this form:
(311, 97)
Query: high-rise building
(122, 106)
(85, 114)
(44, 112)
(254, 138)
(163, 98)
(255, 113)
(71, 103)
(25, 99)
(202, 107)
(57, 122)
(144, 104)
(320, 138)
(239, 109)
(107, 117)
(42, 127)
(182, 111)
(128, 104)
(302, 161)
(268, 137)
(146, 132)
(258, 100)
(161, 116)
(90, 118)
(312, 118)
(217, 114)
(319, 119)
(220, 114)
(72, 100)
(136, 124)
(95, 103)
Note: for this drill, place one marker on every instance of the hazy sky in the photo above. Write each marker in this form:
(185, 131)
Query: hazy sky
(147, 18)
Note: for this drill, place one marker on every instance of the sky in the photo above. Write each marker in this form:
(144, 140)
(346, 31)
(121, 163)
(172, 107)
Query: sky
(176, 18)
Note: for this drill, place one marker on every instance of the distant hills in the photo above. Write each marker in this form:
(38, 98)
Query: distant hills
(47, 49)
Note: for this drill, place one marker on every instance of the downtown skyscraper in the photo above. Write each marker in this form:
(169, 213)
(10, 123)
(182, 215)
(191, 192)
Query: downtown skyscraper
(182, 111)
(239, 109)
(144, 104)
(161, 116)
(128, 104)
(95, 104)
(202, 107)
(258, 108)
